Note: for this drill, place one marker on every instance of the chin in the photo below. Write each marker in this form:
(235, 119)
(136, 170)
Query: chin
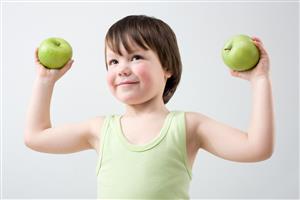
(132, 100)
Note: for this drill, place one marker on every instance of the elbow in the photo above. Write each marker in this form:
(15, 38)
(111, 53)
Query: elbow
(28, 140)
(264, 154)
(262, 150)
(268, 151)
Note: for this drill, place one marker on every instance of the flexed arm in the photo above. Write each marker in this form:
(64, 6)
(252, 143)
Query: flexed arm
(38, 115)
(257, 143)
(261, 128)
(39, 133)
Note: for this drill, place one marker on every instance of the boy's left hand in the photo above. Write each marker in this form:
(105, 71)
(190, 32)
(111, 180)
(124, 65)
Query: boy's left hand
(262, 67)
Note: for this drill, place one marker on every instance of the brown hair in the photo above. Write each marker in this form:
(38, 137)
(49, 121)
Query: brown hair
(148, 32)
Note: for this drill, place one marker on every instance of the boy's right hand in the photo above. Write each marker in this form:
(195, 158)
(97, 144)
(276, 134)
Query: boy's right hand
(50, 75)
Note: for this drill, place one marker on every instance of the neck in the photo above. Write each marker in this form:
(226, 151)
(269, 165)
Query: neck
(148, 108)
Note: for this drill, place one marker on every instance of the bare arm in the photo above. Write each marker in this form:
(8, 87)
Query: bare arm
(38, 114)
(233, 144)
(39, 133)
(261, 130)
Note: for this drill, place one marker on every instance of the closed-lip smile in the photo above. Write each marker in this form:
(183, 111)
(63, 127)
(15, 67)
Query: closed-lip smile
(127, 82)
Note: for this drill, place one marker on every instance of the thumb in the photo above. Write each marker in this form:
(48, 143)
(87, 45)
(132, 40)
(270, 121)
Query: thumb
(67, 66)
(241, 74)
(234, 73)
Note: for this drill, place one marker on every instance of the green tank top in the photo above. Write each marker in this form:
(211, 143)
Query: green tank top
(156, 170)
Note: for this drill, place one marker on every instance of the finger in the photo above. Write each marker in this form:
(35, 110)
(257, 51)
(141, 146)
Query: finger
(67, 66)
(254, 38)
(233, 72)
(261, 48)
(36, 58)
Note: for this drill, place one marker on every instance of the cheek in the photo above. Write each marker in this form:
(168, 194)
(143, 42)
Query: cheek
(151, 77)
(144, 74)
(110, 80)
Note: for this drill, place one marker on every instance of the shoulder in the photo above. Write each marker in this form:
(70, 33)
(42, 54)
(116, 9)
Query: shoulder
(194, 119)
(95, 125)
(193, 122)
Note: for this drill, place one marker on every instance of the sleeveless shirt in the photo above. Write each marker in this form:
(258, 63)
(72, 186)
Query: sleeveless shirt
(158, 169)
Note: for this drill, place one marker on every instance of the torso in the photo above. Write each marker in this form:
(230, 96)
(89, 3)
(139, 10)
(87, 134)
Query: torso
(133, 129)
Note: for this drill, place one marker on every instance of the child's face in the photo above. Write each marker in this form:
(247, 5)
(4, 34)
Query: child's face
(137, 77)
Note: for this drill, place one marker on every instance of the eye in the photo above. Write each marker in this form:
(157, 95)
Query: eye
(136, 57)
(113, 62)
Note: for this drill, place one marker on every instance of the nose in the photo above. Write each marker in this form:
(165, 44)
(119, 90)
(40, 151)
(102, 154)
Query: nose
(124, 70)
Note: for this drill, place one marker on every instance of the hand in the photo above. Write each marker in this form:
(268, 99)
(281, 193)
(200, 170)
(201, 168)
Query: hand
(51, 75)
(262, 67)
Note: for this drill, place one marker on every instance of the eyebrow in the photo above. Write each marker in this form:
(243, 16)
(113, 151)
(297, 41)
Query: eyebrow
(134, 51)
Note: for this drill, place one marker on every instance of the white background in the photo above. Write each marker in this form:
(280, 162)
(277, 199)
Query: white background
(206, 87)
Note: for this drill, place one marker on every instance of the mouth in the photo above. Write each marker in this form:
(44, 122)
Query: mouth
(127, 83)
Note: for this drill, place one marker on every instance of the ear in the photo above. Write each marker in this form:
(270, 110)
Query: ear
(167, 75)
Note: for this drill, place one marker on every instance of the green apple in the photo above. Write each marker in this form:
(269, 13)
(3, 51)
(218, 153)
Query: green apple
(54, 52)
(240, 53)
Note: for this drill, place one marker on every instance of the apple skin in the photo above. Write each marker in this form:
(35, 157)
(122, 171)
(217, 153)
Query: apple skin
(54, 53)
(240, 53)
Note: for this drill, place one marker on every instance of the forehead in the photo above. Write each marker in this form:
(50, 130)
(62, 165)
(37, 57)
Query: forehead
(133, 48)
(125, 43)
